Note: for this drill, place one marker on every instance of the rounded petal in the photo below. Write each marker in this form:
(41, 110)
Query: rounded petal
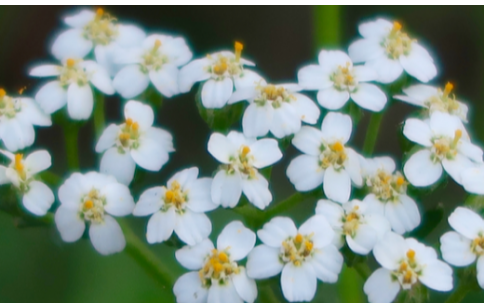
(298, 282)
(313, 77)
(16, 134)
(418, 131)
(307, 109)
(199, 195)
(456, 249)
(80, 19)
(118, 164)
(336, 127)
(221, 148)
(193, 257)
(337, 185)
(308, 140)
(363, 241)
(73, 189)
(455, 166)
(70, 225)
(107, 237)
(223, 293)
(237, 240)
(192, 227)
(388, 70)
(438, 276)
(333, 213)
(330, 60)
(51, 97)
(381, 287)
(165, 80)
(245, 286)
(332, 99)
(263, 262)
(277, 230)
(119, 201)
(257, 120)
(305, 173)
(470, 150)
(108, 138)
(188, 288)
(193, 72)
(38, 199)
(139, 113)
(46, 70)
(327, 263)
(247, 79)
(3, 176)
(161, 226)
(266, 152)
(374, 205)
(215, 94)
(80, 101)
(364, 73)
(444, 124)
(418, 64)
(420, 170)
(364, 49)
(420, 92)
(226, 189)
(480, 271)
(370, 97)
(130, 81)
(256, 189)
(318, 227)
(466, 222)
(285, 121)
(149, 202)
(390, 250)
(184, 177)
(71, 44)
(403, 214)
(352, 166)
(375, 29)
(150, 155)
(473, 180)
(130, 35)
(37, 161)
(32, 113)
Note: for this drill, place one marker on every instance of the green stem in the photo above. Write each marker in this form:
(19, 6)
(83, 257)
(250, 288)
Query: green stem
(99, 122)
(71, 132)
(291, 202)
(372, 133)
(458, 295)
(327, 26)
(362, 269)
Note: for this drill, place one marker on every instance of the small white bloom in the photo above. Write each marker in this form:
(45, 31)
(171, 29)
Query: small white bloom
(434, 99)
(99, 30)
(303, 256)
(241, 158)
(179, 207)
(326, 159)
(135, 142)
(388, 194)
(18, 115)
(37, 197)
(275, 108)
(336, 80)
(92, 198)
(463, 247)
(73, 86)
(447, 145)
(157, 60)
(389, 51)
(224, 70)
(355, 223)
(404, 263)
(216, 276)
(473, 179)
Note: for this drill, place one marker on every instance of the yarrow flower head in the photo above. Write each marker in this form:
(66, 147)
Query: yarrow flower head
(156, 60)
(303, 256)
(389, 50)
(37, 197)
(98, 30)
(73, 86)
(135, 142)
(463, 247)
(242, 158)
(178, 206)
(405, 262)
(336, 80)
(326, 159)
(18, 115)
(388, 194)
(216, 276)
(435, 99)
(92, 198)
(275, 108)
(447, 145)
(354, 223)
(223, 70)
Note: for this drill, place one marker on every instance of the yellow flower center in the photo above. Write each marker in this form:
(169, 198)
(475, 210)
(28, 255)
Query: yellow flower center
(477, 245)
(296, 249)
(175, 197)
(343, 78)
(71, 72)
(218, 266)
(101, 30)
(333, 155)
(129, 135)
(387, 187)
(444, 147)
(154, 58)
(397, 43)
(271, 94)
(408, 271)
(226, 65)
(445, 102)
(351, 222)
(92, 207)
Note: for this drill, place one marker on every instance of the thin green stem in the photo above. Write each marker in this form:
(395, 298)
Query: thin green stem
(71, 132)
(458, 295)
(327, 26)
(372, 133)
(291, 202)
(268, 295)
(362, 269)
(99, 121)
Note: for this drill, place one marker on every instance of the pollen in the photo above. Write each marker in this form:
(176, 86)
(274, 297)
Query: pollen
(70, 62)
(223, 257)
(338, 147)
(245, 150)
(18, 162)
(217, 267)
(129, 122)
(397, 26)
(135, 126)
(238, 50)
(309, 246)
(403, 267)
(448, 88)
(169, 195)
(299, 238)
(408, 276)
(157, 44)
(99, 12)
(124, 136)
(400, 181)
(88, 204)
(219, 69)
(458, 134)
(2, 93)
(411, 254)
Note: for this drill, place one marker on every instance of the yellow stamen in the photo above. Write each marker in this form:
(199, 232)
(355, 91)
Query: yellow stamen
(157, 44)
(21, 90)
(403, 267)
(99, 12)
(410, 254)
(135, 126)
(408, 276)
(458, 134)
(299, 238)
(297, 263)
(351, 216)
(223, 257)
(124, 136)
(219, 69)
(88, 204)
(338, 147)
(397, 26)
(309, 246)
(129, 122)
(448, 88)
(18, 162)
(245, 150)
(70, 62)
(400, 181)
(2, 93)
(175, 185)
(169, 196)
(238, 50)
(217, 267)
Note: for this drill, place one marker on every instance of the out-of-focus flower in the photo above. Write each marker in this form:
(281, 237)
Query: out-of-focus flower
(216, 276)
(389, 51)
(336, 80)
(93, 198)
(326, 159)
(135, 142)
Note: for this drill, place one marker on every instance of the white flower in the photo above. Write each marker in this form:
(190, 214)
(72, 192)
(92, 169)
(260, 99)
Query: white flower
(336, 80)
(37, 197)
(434, 99)
(73, 86)
(473, 179)
(303, 256)
(99, 30)
(388, 194)
(404, 263)
(389, 50)
(223, 70)
(355, 223)
(179, 206)
(92, 198)
(241, 158)
(17, 117)
(216, 276)
(447, 145)
(135, 142)
(156, 60)
(463, 247)
(326, 159)
(275, 108)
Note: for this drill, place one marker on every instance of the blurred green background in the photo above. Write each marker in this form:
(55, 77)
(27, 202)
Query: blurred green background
(36, 266)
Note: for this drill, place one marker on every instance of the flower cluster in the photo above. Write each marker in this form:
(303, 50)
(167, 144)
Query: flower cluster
(366, 208)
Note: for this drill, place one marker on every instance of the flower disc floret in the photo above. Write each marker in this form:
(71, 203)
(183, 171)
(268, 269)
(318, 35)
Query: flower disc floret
(218, 268)
(296, 249)
(9, 106)
(72, 72)
(397, 42)
(92, 206)
(274, 95)
(101, 30)
(344, 78)
(445, 147)
(386, 186)
(333, 155)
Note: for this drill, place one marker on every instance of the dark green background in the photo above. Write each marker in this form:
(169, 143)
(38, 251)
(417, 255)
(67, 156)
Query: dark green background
(36, 266)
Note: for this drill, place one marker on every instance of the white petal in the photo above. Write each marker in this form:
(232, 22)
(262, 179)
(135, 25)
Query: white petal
(239, 139)
(37, 161)
(308, 110)
(225, 293)
(421, 92)
(403, 215)
(149, 155)
(3, 176)
(80, 19)
(375, 29)
(370, 97)
(193, 72)
(80, 101)
(308, 140)
(455, 166)
(119, 201)
(245, 286)
(108, 138)
(438, 276)
(277, 230)
(327, 263)
(46, 70)
(149, 202)
(364, 240)
(418, 64)
(364, 73)
(215, 94)
(445, 124)
(32, 113)
(473, 180)
(120, 165)
(221, 148)
(130, 35)
(199, 195)
(374, 205)
(99, 77)
(364, 49)
(285, 121)
(263, 262)
(162, 137)
(72, 189)
(107, 237)
(388, 70)
(165, 80)
(16, 134)
(51, 97)
(418, 131)
(38, 199)
(257, 120)
(243, 94)
(130, 81)
(336, 127)
(226, 189)
(188, 288)
(266, 152)
(381, 287)
(305, 173)
(184, 177)
(480, 271)
(470, 150)
(456, 249)
(70, 225)
(161, 226)
(318, 227)
(256, 189)
(333, 213)
(237, 240)
(352, 166)
(248, 79)
(192, 227)
(420, 170)
(466, 222)
(298, 282)
(313, 77)
(390, 250)
(332, 99)
(337, 185)
(139, 113)
(71, 44)
(330, 60)
(193, 257)
(106, 56)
